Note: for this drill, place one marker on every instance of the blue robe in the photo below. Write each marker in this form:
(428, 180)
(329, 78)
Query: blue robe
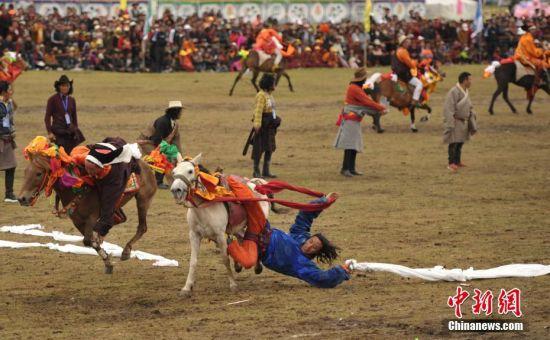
(284, 254)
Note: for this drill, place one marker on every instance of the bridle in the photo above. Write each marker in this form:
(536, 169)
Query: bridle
(191, 185)
(43, 183)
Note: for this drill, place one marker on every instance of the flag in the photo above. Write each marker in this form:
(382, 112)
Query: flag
(368, 10)
(478, 21)
(123, 4)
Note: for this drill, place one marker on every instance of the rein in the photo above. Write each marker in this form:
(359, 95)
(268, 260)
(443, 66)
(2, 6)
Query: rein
(191, 185)
(36, 193)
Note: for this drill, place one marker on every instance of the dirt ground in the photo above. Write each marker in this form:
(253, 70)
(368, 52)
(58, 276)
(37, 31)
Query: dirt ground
(407, 209)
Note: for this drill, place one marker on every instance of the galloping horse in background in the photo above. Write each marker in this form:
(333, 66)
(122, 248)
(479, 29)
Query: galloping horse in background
(252, 62)
(209, 220)
(399, 94)
(506, 73)
(83, 208)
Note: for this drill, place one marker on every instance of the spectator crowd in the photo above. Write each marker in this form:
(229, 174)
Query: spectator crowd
(212, 43)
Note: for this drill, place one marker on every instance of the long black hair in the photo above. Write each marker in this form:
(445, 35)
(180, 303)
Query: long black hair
(4, 86)
(174, 112)
(328, 253)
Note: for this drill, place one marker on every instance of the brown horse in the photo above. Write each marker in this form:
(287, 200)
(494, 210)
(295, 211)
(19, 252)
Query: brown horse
(399, 95)
(83, 208)
(252, 62)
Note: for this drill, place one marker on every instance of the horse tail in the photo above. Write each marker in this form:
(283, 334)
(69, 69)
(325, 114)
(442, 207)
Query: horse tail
(490, 70)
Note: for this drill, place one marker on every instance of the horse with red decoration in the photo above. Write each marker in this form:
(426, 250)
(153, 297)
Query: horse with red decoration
(94, 183)
(232, 205)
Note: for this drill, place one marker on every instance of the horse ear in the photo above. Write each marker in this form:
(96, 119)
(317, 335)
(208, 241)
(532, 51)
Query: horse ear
(197, 159)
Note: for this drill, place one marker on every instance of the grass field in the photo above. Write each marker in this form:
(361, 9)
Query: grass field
(408, 209)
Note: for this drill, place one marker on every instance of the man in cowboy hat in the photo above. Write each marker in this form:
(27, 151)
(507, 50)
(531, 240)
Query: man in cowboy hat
(165, 128)
(61, 119)
(350, 137)
(406, 68)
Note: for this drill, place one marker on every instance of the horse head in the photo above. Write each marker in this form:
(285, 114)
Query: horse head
(185, 176)
(35, 179)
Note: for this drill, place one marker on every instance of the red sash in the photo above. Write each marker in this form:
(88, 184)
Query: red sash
(348, 116)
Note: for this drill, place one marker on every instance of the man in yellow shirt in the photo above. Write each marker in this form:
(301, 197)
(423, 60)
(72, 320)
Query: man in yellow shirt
(528, 53)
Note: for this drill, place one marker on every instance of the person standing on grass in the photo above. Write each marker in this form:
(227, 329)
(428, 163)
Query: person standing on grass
(350, 136)
(265, 123)
(61, 119)
(459, 120)
(7, 139)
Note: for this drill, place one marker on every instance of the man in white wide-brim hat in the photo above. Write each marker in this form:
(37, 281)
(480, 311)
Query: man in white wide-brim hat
(164, 129)
(406, 68)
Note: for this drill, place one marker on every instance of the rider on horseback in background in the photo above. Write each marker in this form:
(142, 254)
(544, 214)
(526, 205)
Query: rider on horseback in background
(406, 68)
(270, 42)
(529, 54)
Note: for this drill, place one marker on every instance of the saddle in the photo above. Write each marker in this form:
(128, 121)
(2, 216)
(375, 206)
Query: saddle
(523, 70)
(235, 210)
(263, 57)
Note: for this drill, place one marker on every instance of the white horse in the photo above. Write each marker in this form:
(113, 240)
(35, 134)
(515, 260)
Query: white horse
(205, 219)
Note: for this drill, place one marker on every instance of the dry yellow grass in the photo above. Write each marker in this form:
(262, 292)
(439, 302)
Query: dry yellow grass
(407, 209)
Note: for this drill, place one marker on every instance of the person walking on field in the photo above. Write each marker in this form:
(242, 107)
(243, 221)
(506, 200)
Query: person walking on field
(350, 136)
(7, 139)
(459, 120)
(265, 123)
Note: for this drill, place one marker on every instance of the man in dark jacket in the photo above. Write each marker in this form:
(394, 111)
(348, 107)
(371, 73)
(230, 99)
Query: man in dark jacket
(110, 184)
(61, 119)
(165, 128)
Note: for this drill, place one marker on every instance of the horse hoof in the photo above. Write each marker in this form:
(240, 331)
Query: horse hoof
(491, 113)
(415, 130)
(515, 112)
(109, 269)
(238, 268)
(125, 254)
(258, 269)
(380, 130)
(185, 293)
(530, 112)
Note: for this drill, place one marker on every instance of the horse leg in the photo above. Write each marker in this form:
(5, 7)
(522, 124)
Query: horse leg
(222, 246)
(143, 205)
(277, 78)
(505, 96)
(255, 74)
(195, 240)
(429, 115)
(498, 91)
(239, 76)
(531, 97)
(284, 74)
(413, 126)
(93, 241)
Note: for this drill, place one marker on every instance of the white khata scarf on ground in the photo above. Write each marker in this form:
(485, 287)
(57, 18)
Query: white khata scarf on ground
(439, 273)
